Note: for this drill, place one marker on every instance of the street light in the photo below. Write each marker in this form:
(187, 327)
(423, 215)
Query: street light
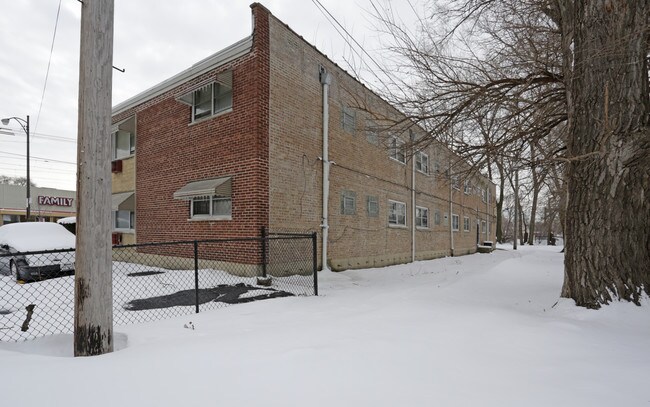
(25, 125)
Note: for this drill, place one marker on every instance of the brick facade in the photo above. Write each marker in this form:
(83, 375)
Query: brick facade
(270, 144)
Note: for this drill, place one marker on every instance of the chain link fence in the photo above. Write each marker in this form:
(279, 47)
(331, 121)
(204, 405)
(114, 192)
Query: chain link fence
(156, 281)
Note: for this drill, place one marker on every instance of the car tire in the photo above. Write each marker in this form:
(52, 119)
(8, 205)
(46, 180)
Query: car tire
(15, 273)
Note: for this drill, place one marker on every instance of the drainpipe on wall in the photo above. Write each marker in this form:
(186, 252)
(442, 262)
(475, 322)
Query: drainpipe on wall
(325, 80)
(413, 210)
(451, 212)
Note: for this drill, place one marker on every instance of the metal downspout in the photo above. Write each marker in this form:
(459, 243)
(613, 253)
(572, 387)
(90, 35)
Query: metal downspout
(325, 80)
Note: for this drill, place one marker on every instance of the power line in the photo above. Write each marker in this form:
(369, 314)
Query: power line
(47, 73)
(329, 15)
(38, 158)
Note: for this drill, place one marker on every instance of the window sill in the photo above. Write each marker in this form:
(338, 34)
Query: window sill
(424, 228)
(127, 231)
(398, 161)
(390, 225)
(201, 120)
(422, 172)
(209, 218)
(123, 158)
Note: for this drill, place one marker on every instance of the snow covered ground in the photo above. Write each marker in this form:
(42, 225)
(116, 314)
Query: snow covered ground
(479, 330)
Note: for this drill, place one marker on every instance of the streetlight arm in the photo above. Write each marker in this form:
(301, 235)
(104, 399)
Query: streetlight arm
(25, 125)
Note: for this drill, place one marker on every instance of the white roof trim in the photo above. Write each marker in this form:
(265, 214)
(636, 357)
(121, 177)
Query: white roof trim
(224, 56)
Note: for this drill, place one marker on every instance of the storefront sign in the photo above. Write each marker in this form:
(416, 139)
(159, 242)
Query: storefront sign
(54, 201)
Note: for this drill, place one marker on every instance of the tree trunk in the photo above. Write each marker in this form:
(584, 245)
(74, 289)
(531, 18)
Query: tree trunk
(608, 211)
(502, 184)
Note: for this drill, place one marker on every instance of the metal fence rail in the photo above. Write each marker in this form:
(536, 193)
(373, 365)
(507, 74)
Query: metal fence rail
(156, 281)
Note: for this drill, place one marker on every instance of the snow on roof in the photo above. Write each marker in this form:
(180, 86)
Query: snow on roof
(67, 221)
(35, 236)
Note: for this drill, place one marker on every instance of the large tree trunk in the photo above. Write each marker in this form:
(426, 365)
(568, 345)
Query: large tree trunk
(502, 184)
(608, 211)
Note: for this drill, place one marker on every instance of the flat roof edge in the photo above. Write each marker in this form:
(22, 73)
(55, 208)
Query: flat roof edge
(232, 52)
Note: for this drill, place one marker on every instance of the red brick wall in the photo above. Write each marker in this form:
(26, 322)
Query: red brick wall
(170, 152)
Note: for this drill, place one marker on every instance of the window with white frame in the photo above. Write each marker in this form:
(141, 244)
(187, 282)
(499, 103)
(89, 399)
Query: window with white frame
(421, 217)
(348, 119)
(396, 213)
(484, 193)
(348, 203)
(123, 219)
(454, 222)
(373, 206)
(212, 98)
(210, 206)
(466, 223)
(422, 162)
(123, 139)
(372, 132)
(396, 150)
(467, 187)
(455, 182)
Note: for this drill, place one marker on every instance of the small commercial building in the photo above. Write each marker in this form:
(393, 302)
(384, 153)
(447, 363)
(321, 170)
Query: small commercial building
(48, 204)
(270, 133)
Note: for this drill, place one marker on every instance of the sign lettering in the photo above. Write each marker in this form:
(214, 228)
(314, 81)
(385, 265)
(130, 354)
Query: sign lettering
(54, 201)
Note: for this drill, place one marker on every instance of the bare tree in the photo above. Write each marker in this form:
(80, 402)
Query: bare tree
(567, 81)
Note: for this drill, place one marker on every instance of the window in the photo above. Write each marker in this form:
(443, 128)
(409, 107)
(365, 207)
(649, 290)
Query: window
(372, 132)
(348, 203)
(348, 119)
(454, 222)
(436, 217)
(421, 217)
(210, 99)
(396, 151)
(373, 206)
(467, 187)
(209, 199)
(466, 223)
(396, 213)
(210, 206)
(422, 162)
(484, 193)
(123, 219)
(455, 182)
(123, 139)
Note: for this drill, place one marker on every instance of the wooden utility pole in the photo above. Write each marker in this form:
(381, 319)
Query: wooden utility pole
(93, 317)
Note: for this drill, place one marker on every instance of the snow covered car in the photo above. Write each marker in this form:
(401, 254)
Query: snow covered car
(19, 238)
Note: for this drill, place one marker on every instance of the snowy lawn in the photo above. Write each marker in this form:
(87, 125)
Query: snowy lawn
(480, 330)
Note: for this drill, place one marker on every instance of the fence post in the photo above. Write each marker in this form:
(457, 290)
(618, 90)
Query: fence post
(264, 254)
(314, 242)
(196, 274)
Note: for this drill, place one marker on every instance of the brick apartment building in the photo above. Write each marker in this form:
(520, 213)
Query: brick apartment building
(236, 143)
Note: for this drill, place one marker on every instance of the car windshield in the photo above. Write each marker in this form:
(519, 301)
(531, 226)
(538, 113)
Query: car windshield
(35, 236)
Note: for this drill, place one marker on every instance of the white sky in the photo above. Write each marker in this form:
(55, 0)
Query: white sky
(154, 39)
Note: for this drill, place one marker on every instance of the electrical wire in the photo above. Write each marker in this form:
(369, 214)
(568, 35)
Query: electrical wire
(49, 62)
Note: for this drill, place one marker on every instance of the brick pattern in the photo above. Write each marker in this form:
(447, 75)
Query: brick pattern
(360, 166)
(270, 144)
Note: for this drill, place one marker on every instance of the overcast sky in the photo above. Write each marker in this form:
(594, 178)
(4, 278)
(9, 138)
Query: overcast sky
(154, 39)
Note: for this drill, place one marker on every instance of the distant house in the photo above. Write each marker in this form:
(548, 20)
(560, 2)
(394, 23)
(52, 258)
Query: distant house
(235, 143)
(47, 204)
